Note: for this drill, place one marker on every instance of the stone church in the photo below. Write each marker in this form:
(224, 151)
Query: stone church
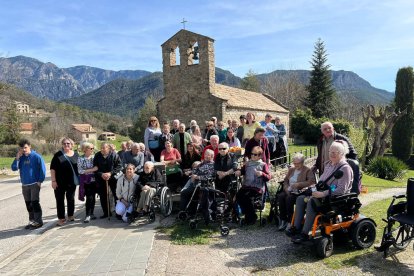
(190, 90)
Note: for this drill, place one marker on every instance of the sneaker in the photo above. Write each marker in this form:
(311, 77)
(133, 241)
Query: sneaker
(299, 238)
(35, 225)
(28, 226)
(282, 226)
(92, 217)
(87, 219)
(71, 218)
(61, 222)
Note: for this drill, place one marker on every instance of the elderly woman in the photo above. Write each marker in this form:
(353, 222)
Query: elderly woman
(64, 175)
(87, 185)
(221, 131)
(298, 178)
(337, 161)
(171, 157)
(196, 137)
(231, 139)
(125, 189)
(210, 131)
(225, 165)
(147, 187)
(152, 137)
(256, 174)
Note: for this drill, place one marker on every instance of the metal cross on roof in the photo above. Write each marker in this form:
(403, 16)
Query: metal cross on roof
(183, 22)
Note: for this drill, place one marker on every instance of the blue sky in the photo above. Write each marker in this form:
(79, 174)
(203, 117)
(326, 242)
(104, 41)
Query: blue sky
(371, 38)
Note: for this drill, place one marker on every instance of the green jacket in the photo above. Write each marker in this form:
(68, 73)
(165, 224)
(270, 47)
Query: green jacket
(176, 142)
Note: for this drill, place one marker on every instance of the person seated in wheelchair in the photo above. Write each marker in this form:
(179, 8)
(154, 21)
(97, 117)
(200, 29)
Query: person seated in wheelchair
(298, 179)
(225, 165)
(256, 174)
(148, 180)
(125, 189)
(171, 157)
(203, 172)
(331, 187)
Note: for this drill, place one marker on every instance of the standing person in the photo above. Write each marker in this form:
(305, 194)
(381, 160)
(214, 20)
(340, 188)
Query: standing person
(109, 165)
(229, 123)
(125, 189)
(210, 131)
(260, 141)
(256, 174)
(32, 171)
(191, 128)
(152, 137)
(214, 120)
(135, 157)
(196, 138)
(281, 145)
(181, 139)
(87, 185)
(165, 136)
(221, 131)
(271, 134)
(325, 141)
(176, 125)
(250, 127)
(231, 139)
(147, 154)
(122, 152)
(234, 125)
(240, 129)
(64, 175)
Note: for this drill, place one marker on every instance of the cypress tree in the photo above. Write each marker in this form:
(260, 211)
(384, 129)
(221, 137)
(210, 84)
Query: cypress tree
(402, 132)
(321, 95)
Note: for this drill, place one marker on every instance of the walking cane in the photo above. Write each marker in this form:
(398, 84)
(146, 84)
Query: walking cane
(107, 199)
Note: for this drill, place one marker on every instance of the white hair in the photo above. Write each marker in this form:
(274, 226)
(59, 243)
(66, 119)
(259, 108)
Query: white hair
(341, 146)
(277, 117)
(326, 124)
(299, 157)
(135, 145)
(193, 123)
(214, 137)
(209, 152)
(86, 145)
(150, 164)
(224, 144)
(141, 146)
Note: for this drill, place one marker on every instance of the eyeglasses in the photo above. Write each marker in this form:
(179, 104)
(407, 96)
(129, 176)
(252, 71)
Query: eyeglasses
(256, 154)
(222, 148)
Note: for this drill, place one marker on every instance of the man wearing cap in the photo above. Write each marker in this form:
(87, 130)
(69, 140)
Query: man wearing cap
(271, 134)
(240, 129)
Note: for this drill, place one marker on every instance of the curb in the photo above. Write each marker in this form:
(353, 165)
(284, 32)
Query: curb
(37, 232)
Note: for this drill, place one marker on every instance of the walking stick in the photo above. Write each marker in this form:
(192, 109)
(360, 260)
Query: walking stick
(107, 199)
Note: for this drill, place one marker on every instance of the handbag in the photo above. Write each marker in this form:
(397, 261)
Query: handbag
(76, 180)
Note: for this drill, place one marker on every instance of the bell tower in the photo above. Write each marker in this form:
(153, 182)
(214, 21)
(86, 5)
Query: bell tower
(188, 72)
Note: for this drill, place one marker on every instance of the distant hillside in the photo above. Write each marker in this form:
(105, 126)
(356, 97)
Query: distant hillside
(46, 80)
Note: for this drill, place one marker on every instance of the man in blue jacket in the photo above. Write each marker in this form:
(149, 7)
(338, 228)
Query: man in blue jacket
(32, 173)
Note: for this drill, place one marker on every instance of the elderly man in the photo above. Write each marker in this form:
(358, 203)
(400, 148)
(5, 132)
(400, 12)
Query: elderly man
(214, 142)
(176, 125)
(181, 139)
(324, 143)
(148, 156)
(260, 141)
(121, 153)
(148, 179)
(135, 157)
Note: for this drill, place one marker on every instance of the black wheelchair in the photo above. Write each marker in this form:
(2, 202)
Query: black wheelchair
(259, 203)
(274, 214)
(399, 230)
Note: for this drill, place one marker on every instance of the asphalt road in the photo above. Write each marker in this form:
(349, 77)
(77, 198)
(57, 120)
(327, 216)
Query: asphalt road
(14, 216)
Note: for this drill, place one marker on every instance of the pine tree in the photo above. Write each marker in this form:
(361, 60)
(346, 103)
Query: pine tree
(140, 124)
(322, 95)
(402, 132)
(250, 82)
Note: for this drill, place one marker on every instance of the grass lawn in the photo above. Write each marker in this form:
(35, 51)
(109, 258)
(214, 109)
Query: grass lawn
(180, 233)
(117, 142)
(5, 162)
(375, 184)
(297, 148)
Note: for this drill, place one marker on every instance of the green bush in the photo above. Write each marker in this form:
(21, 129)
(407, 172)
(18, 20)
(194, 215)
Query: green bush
(388, 168)
(309, 128)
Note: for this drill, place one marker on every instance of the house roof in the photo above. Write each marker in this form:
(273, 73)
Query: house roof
(26, 126)
(84, 128)
(186, 32)
(240, 98)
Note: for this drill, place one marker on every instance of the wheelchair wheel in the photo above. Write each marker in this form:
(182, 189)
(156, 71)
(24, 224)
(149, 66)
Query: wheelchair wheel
(224, 230)
(193, 225)
(402, 239)
(363, 235)
(151, 216)
(166, 201)
(324, 247)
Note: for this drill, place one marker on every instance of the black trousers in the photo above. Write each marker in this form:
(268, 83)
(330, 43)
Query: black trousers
(206, 201)
(90, 193)
(280, 152)
(245, 198)
(103, 191)
(60, 193)
(157, 153)
(286, 203)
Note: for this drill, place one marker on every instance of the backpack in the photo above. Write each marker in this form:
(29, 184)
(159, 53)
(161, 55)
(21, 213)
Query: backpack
(356, 183)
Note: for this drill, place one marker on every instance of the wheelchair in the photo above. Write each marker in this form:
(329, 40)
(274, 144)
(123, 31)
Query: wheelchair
(340, 215)
(274, 206)
(259, 206)
(219, 206)
(399, 230)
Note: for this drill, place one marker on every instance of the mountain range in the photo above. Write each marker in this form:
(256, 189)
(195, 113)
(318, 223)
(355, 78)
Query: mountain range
(124, 92)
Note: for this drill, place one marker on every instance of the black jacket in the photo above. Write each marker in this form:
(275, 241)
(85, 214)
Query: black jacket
(352, 152)
(112, 163)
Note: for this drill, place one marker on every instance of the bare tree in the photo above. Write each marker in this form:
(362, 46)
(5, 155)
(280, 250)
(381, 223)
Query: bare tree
(286, 88)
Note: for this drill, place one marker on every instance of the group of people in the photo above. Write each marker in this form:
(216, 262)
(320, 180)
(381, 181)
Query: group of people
(189, 157)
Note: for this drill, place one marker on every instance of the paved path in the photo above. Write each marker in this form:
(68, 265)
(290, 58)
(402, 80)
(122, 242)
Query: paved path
(101, 247)
(380, 195)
